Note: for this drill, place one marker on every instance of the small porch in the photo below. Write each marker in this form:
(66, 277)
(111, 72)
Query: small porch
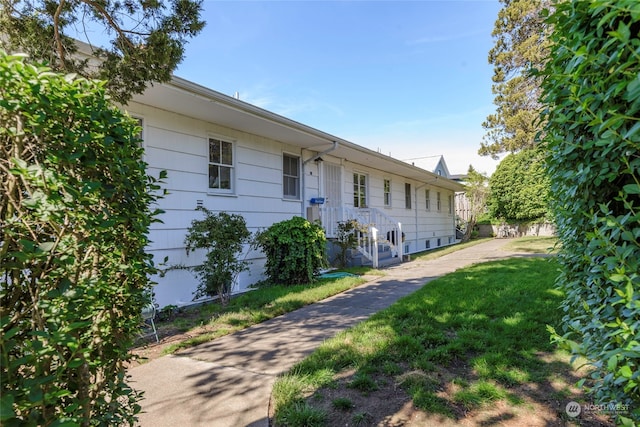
(379, 239)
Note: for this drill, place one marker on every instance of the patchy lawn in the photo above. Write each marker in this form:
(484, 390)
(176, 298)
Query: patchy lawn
(470, 348)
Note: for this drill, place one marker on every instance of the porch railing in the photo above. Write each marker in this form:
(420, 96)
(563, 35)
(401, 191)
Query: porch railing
(381, 229)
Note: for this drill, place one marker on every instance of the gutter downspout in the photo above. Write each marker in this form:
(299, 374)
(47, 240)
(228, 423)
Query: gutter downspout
(304, 175)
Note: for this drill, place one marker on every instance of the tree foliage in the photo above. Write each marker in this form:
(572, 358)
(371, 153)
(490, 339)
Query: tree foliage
(223, 236)
(147, 38)
(592, 90)
(476, 194)
(519, 188)
(520, 45)
(295, 251)
(74, 217)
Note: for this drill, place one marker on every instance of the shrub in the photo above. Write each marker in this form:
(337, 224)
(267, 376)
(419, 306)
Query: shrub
(223, 236)
(74, 216)
(519, 187)
(592, 89)
(295, 251)
(347, 239)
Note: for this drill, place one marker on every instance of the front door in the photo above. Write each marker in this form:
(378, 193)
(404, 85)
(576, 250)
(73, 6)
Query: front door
(333, 197)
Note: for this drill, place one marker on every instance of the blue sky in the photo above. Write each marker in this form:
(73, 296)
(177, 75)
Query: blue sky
(407, 78)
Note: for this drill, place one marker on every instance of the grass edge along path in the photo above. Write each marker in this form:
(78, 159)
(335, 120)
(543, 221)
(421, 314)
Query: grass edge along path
(469, 341)
(205, 322)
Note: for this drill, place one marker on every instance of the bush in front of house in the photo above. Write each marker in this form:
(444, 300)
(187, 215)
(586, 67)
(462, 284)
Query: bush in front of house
(592, 91)
(223, 236)
(74, 276)
(295, 251)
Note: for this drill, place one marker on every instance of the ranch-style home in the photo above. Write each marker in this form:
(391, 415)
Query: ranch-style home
(227, 155)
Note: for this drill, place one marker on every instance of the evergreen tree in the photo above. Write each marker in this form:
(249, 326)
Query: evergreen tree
(147, 37)
(521, 44)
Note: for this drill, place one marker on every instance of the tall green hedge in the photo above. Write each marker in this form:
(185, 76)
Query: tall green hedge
(74, 216)
(592, 92)
(519, 188)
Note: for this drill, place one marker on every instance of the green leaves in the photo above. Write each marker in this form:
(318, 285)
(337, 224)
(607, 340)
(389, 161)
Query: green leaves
(295, 251)
(146, 45)
(74, 216)
(223, 236)
(519, 188)
(595, 174)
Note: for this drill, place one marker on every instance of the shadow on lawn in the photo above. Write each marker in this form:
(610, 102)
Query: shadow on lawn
(471, 345)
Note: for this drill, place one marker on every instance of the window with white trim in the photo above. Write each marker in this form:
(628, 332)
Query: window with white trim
(450, 204)
(290, 177)
(359, 190)
(438, 202)
(221, 168)
(427, 198)
(387, 192)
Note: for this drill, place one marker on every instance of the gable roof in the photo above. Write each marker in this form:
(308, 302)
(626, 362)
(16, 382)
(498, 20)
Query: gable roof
(193, 100)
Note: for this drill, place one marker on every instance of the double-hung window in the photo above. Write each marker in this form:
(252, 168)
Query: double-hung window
(407, 195)
(427, 198)
(438, 202)
(290, 177)
(359, 190)
(387, 192)
(221, 169)
(450, 204)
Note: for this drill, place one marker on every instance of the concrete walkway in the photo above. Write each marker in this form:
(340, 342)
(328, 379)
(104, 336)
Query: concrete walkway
(227, 382)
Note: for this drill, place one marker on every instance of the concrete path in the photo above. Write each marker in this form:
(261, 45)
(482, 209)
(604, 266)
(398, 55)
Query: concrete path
(227, 382)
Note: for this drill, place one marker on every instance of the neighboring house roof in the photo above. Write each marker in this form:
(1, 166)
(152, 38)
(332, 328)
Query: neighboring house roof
(196, 101)
(435, 164)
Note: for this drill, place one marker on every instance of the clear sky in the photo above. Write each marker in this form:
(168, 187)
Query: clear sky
(406, 78)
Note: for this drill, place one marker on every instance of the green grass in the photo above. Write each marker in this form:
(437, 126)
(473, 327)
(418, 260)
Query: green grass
(437, 253)
(252, 308)
(480, 328)
(265, 303)
(533, 244)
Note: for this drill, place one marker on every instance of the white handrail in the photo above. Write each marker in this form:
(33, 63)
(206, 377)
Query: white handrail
(381, 229)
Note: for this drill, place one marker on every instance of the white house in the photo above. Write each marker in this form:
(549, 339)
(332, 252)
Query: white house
(228, 155)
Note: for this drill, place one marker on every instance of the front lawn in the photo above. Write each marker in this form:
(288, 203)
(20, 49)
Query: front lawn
(471, 346)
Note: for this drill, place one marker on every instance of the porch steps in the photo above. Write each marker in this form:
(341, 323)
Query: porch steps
(385, 258)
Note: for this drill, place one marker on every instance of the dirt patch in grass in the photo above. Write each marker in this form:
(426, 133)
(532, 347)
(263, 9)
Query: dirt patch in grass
(387, 403)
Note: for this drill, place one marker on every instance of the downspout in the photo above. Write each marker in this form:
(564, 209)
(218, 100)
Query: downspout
(304, 175)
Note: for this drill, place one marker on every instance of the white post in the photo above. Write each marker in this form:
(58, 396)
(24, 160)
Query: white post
(400, 242)
(374, 248)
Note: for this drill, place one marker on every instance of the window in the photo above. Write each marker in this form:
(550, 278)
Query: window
(387, 192)
(290, 177)
(438, 203)
(359, 190)
(220, 164)
(450, 204)
(427, 198)
(407, 196)
(428, 244)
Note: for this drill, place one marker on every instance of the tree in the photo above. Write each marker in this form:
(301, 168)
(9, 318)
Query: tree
(476, 192)
(519, 188)
(74, 220)
(592, 92)
(223, 236)
(147, 37)
(521, 44)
